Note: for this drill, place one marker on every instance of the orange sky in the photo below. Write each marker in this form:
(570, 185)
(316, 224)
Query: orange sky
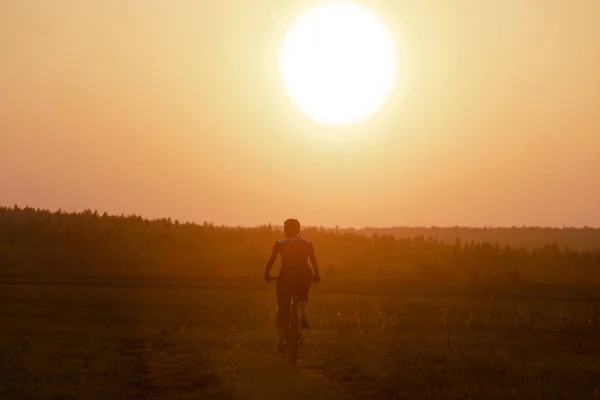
(175, 108)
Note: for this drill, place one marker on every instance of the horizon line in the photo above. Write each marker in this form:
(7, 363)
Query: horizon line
(60, 210)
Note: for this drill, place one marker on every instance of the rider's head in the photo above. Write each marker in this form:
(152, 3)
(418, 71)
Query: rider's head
(291, 228)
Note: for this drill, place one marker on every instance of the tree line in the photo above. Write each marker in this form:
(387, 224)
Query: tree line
(529, 237)
(34, 241)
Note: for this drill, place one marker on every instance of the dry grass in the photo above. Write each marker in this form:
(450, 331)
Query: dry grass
(184, 339)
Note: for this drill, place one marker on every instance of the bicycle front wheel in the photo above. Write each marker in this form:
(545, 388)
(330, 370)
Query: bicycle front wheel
(294, 336)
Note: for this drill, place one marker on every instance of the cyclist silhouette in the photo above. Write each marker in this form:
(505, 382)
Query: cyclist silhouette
(295, 277)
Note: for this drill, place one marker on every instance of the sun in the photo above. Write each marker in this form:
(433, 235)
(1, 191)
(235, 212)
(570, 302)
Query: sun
(338, 63)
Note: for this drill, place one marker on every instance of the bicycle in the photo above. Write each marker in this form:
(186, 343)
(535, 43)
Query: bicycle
(294, 335)
(294, 332)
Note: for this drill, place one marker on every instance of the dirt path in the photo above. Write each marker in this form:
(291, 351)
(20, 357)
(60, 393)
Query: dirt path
(260, 373)
(185, 361)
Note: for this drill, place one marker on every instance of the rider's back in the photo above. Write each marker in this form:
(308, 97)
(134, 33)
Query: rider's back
(295, 252)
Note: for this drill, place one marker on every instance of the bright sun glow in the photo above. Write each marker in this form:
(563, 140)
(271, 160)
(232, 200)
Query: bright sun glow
(338, 63)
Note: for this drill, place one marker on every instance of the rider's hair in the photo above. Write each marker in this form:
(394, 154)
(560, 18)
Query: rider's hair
(291, 227)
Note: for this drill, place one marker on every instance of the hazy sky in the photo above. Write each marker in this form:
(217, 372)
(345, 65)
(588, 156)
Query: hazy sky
(175, 108)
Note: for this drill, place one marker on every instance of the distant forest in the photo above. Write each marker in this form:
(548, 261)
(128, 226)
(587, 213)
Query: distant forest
(92, 244)
(527, 237)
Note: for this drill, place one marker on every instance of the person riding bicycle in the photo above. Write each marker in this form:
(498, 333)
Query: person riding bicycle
(295, 277)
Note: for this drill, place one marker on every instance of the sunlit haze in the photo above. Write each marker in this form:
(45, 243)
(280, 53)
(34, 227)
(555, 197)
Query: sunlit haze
(179, 109)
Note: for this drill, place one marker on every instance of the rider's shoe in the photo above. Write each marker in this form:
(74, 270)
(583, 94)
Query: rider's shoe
(281, 338)
(280, 345)
(304, 323)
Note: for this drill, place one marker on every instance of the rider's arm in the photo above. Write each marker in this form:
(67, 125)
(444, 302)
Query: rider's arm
(272, 258)
(313, 259)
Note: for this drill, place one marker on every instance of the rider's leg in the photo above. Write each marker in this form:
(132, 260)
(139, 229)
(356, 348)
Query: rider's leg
(303, 289)
(303, 306)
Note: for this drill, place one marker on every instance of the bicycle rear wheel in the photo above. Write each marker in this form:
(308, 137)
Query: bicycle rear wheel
(293, 335)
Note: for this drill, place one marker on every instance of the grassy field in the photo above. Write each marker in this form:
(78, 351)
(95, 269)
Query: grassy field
(152, 338)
